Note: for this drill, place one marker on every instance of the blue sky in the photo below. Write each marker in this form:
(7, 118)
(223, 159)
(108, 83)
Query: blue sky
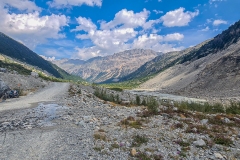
(87, 28)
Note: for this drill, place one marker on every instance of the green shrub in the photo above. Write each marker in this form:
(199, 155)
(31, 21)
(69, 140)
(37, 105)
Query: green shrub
(139, 140)
(234, 108)
(138, 101)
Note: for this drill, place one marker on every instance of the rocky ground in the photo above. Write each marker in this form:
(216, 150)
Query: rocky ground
(78, 125)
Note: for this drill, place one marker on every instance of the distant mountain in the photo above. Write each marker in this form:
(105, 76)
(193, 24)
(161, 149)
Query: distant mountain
(162, 62)
(18, 51)
(209, 69)
(109, 68)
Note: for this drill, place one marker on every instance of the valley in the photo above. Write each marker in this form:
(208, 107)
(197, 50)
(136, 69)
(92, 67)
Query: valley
(133, 104)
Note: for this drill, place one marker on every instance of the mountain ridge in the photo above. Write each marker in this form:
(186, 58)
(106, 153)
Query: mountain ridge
(109, 67)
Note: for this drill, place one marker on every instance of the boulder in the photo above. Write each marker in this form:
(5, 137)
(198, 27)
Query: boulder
(199, 143)
(3, 88)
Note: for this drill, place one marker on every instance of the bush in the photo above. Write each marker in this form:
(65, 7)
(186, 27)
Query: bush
(139, 140)
(234, 108)
(138, 101)
(152, 105)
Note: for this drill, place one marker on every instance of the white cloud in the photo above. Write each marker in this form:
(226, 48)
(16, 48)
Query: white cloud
(126, 19)
(154, 42)
(126, 31)
(205, 29)
(48, 58)
(68, 3)
(178, 17)
(173, 37)
(31, 28)
(85, 25)
(218, 22)
(22, 5)
(157, 11)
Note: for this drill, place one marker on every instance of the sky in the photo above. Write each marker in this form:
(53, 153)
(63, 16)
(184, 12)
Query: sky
(83, 29)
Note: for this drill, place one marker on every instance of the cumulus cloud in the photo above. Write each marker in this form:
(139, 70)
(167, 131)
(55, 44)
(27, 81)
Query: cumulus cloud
(125, 31)
(68, 3)
(178, 17)
(85, 25)
(31, 28)
(126, 19)
(22, 5)
(218, 22)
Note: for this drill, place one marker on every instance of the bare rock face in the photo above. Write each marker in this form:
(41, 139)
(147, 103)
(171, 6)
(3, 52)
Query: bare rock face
(109, 68)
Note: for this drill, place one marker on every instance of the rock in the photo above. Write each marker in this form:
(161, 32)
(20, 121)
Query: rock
(182, 116)
(204, 121)
(199, 143)
(218, 155)
(239, 135)
(82, 124)
(133, 152)
(175, 108)
(125, 102)
(226, 120)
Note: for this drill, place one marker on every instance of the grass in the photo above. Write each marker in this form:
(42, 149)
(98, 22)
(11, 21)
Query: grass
(139, 140)
(222, 140)
(100, 136)
(144, 156)
(131, 122)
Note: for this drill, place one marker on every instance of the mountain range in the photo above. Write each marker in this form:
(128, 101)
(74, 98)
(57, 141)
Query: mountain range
(110, 68)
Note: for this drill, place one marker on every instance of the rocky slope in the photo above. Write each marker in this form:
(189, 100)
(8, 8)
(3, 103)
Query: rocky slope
(82, 126)
(109, 68)
(207, 72)
(215, 45)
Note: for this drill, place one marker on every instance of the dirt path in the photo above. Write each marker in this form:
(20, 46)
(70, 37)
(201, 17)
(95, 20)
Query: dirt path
(49, 93)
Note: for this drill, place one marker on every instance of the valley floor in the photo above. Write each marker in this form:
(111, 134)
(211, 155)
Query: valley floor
(75, 124)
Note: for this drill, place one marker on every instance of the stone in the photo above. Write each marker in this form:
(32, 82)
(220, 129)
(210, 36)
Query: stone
(226, 120)
(204, 121)
(175, 108)
(82, 124)
(199, 143)
(182, 116)
(218, 155)
(133, 152)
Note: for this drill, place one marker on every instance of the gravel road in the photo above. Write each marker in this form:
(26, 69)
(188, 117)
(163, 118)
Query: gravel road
(49, 93)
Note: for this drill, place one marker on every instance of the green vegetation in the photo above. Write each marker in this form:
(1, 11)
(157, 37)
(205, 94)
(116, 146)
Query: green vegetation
(102, 94)
(205, 108)
(221, 139)
(15, 67)
(234, 108)
(116, 89)
(131, 122)
(139, 140)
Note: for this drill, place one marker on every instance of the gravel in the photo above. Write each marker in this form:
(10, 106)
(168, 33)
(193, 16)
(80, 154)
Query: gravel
(81, 126)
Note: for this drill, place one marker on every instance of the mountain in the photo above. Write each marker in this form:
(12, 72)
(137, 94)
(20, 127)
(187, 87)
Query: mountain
(209, 69)
(162, 62)
(109, 68)
(17, 51)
